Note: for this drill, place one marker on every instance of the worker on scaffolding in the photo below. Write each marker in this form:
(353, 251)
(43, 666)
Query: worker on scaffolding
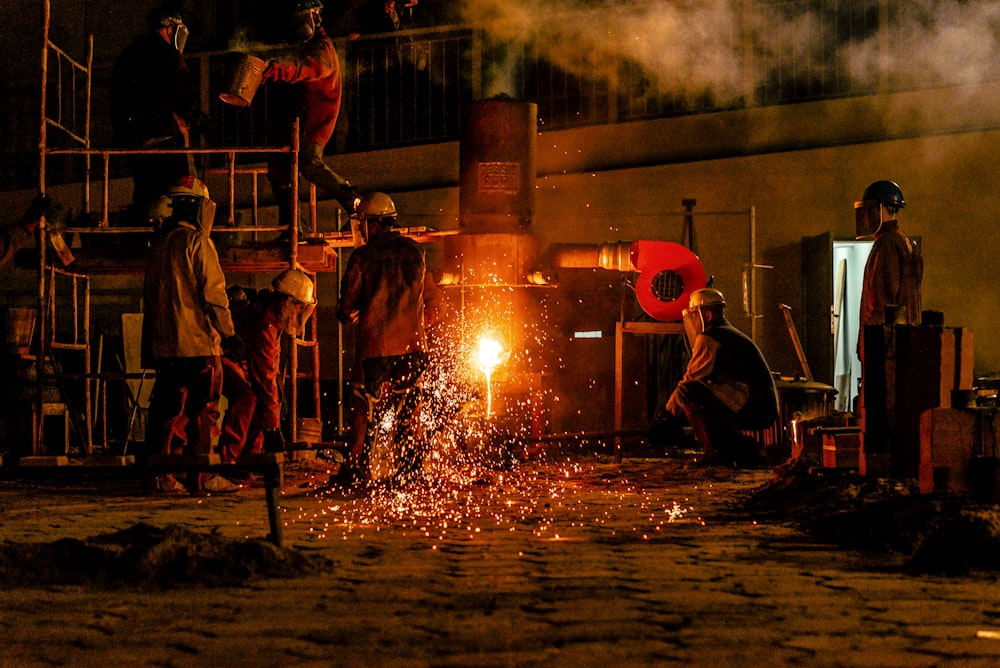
(187, 325)
(20, 233)
(154, 102)
(388, 293)
(307, 83)
(250, 379)
(727, 386)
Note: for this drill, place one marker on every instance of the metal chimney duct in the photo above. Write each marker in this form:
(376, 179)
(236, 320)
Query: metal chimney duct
(496, 192)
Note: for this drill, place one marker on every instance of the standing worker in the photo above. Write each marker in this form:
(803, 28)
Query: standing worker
(307, 79)
(893, 274)
(153, 103)
(186, 321)
(387, 292)
(727, 385)
(253, 421)
(895, 267)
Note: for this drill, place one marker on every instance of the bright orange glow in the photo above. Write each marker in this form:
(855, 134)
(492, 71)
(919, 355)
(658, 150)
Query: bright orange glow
(489, 354)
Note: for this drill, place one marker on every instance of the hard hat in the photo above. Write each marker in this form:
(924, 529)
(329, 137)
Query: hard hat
(706, 297)
(883, 192)
(304, 5)
(165, 15)
(189, 185)
(186, 200)
(378, 206)
(296, 284)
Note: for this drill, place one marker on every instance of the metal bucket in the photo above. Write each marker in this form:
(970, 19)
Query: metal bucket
(309, 430)
(245, 74)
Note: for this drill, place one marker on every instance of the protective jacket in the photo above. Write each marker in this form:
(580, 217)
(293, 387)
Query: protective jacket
(314, 70)
(387, 291)
(893, 275)
(732, 367)
(187, 309)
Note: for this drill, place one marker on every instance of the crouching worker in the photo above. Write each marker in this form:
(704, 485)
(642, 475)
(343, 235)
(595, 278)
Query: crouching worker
(253, 421)
(727, 386)
(186, 320)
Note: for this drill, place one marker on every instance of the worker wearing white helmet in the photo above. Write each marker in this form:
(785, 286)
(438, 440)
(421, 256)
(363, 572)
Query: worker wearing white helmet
(253, 421)
(186, 322)
(727, 386)
(388, 294)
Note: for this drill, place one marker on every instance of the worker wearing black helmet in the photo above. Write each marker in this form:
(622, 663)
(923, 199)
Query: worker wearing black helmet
(895, 267)
(307, 80)
(154, 103)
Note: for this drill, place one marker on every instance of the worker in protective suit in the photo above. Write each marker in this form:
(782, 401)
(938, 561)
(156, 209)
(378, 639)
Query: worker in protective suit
(154, 103)
(388, 294)
(894, 270)
(20, 234)
(186, 324)
(253, 419)
(892, 278)
(727, 385)
(307, 83)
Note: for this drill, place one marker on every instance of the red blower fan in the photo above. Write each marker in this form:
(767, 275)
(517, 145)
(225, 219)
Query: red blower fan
(669, 273)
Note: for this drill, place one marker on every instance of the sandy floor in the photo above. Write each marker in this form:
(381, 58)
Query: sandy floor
(579, 562)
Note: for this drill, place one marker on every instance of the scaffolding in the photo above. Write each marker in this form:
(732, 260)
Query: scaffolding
(72, 85)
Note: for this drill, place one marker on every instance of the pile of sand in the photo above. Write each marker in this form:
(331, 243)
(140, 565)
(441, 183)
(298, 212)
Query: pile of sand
(149, 557)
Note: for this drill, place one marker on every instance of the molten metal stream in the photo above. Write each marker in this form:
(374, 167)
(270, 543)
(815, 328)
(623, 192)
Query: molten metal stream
(489, 354)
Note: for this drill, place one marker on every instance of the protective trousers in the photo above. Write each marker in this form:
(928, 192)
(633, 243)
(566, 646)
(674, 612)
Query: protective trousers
(184, 404)
(238, 438)
(313, 169)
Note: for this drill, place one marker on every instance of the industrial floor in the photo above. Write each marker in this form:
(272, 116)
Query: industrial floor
(568, 560)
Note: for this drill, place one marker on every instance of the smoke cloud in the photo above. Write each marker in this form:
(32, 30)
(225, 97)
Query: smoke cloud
(736, 49)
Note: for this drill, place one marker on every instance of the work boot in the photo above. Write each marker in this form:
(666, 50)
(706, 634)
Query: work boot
(216, 484)
(166, 483)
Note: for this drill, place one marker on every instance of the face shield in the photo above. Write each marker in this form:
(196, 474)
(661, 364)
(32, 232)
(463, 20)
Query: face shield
(867, 218)
(206, 215)
(304, 24)
(199, 211)
(294, 315)
(359, 231)
(180, 37)
(694, 323)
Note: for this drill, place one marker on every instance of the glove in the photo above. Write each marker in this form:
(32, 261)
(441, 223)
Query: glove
(234, 348)
(274, 440)
(355, 197)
